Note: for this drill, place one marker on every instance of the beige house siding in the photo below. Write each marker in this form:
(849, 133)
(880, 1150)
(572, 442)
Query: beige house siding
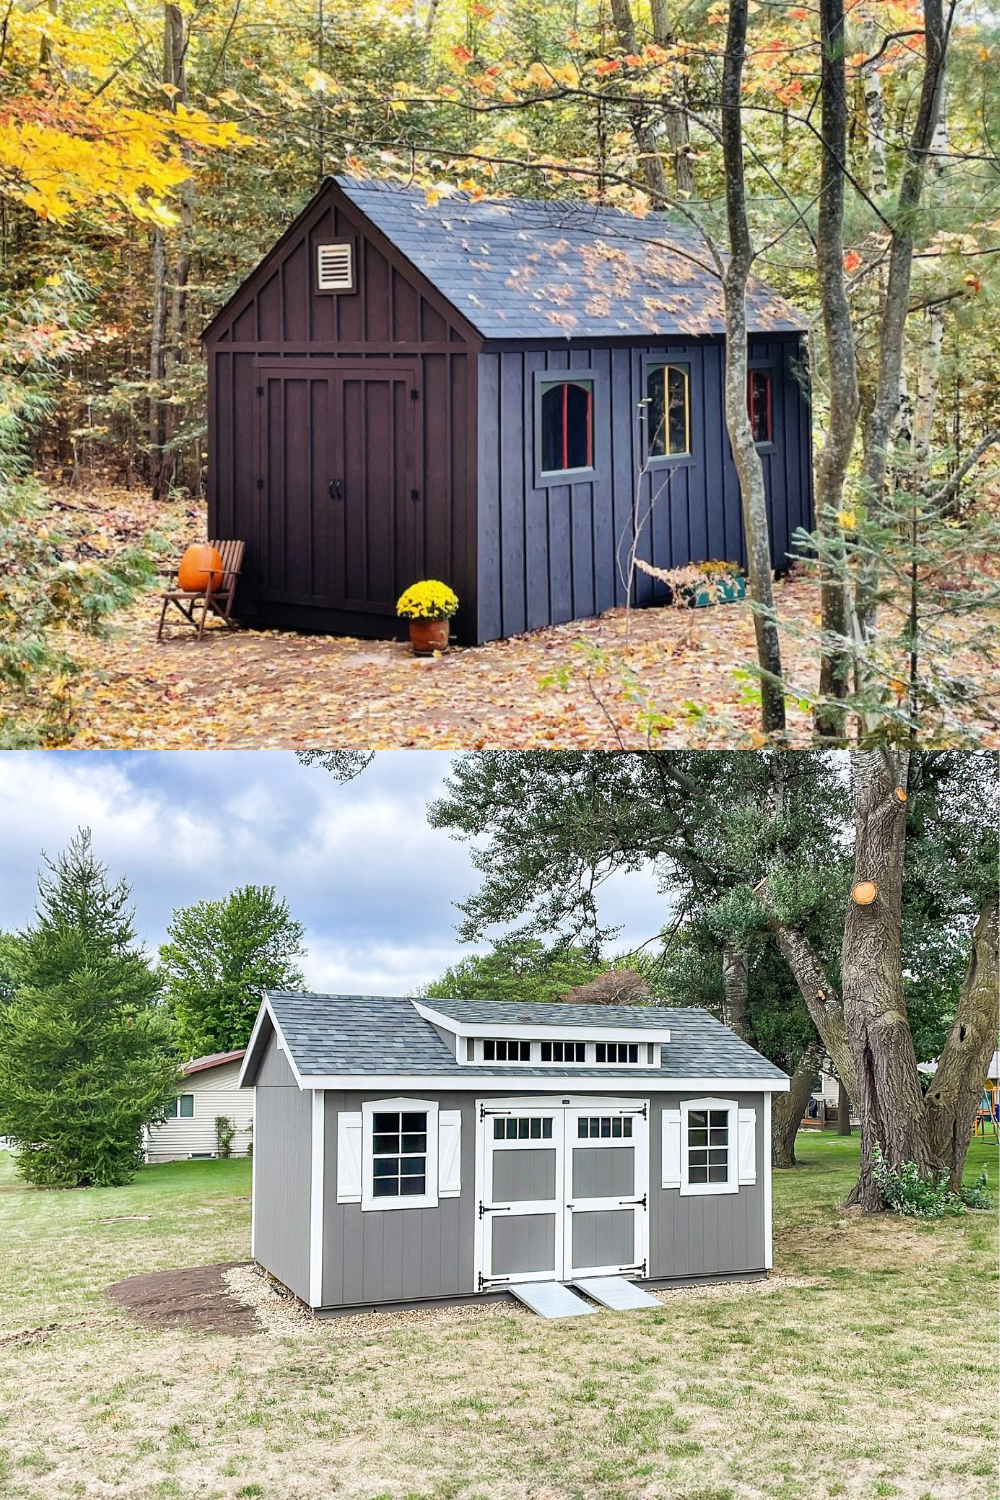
(215, 1093)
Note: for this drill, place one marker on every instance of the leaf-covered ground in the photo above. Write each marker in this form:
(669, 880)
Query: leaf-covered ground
(271, 688)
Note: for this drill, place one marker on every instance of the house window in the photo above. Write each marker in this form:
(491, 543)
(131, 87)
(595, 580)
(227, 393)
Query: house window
(180, 1108)
(668, 410)
(399, 1155)
(567, 423)
(504, 1050)
(564, 1052)
(759, 403)
(617, 1052)
(526, 1128)
(602, 1127)
(708, 1145)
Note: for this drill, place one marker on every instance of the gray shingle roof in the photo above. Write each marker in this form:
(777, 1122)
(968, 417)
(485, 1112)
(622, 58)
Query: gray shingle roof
(357, 1034)
(519, 269)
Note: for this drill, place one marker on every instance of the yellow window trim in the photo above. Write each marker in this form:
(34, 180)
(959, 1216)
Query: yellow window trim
(685, 375)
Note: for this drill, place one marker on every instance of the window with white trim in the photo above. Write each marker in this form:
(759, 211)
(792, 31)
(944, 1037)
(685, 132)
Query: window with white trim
(181, 1107)
(564, 1052)
(504, 1049)
(709, 1146)
(399, 1154)
(617, 1052)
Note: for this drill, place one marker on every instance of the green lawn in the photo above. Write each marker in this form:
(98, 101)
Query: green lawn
(871, 1374)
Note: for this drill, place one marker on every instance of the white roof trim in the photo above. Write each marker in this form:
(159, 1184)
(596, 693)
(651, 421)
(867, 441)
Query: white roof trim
(471, 1080)
(566, 1032)
(265, 1010)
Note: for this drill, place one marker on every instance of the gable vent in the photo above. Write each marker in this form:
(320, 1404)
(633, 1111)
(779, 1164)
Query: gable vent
(335, 268)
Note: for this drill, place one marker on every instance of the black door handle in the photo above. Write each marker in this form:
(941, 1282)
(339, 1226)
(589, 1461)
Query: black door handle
(336, 489)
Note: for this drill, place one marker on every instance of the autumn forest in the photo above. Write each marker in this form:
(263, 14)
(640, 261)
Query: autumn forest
(847, 152)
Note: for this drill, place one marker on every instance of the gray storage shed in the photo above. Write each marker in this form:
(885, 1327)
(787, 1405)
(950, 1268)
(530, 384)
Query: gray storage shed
(410, 1151)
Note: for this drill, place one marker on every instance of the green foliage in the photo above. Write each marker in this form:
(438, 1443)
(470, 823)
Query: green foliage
(517, 969)
(221, 954)
(909, 1193)
(225, 1132)
(975, 1195)
(86, 1054)
(44, 588)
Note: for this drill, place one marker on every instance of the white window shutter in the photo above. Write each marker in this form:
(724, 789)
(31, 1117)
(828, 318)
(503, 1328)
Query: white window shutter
(671, 1165)
(748, 1145)
(449, 1153)
(349, 1157)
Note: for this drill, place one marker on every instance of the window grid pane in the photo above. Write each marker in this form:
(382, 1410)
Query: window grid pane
(399, 1154)
(708, 1146)
(187, 1106)
(668, 414)
(604, 1127)
(567, 421)
(528, 1128)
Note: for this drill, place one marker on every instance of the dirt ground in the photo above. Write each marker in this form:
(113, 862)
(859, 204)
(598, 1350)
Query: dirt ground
(195, 1297)
(587, 684)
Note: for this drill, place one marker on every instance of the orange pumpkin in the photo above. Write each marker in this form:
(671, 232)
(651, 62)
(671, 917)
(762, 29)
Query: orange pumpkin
(199, 564)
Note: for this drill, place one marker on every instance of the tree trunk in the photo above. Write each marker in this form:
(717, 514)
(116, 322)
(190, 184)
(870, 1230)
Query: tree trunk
(745, 455)
(169, 295)
(878, 176)
(787, 1109)
(843, 1109)
(838, 444)
(677, 126)
(893, 321)
(735, 986)
(819, 993)
(638, 114)
(953, 1098)
(888, 1097)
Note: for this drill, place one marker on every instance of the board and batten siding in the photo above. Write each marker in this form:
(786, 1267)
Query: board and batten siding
(550, 554)
(215, 1093)
(282, 1165)
(392, 317)
(706, 1235)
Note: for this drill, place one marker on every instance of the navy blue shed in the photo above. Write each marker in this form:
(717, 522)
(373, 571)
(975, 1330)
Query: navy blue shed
(505, 395)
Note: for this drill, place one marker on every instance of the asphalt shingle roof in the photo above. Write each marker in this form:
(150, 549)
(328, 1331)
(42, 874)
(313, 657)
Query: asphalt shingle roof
(519, 269)
(357, 1034)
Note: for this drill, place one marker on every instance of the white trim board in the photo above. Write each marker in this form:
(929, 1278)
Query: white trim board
(766, 1149)
(318, 1167)
(473, 1079)
(542, 1030)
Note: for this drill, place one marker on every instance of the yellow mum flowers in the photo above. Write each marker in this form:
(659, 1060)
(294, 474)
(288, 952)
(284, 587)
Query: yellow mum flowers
(430, 600)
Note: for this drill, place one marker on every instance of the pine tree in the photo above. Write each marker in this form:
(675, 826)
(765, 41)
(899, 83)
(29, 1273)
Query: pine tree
(220, 956)
(86, 1055)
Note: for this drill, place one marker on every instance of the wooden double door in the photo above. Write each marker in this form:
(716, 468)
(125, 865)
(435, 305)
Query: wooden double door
(338, 481)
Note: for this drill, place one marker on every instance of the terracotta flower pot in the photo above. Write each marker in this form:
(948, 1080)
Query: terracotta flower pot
(428, 636)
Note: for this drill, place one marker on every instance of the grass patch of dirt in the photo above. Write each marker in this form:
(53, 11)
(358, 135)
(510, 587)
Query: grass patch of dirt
(865, 1367)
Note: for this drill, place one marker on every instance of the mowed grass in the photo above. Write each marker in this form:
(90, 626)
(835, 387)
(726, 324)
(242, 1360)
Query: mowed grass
(875, 1378)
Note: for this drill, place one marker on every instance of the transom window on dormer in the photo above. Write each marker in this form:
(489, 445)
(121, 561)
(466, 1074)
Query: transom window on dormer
(617, 1052)
(564, 1052)
(502, 1049)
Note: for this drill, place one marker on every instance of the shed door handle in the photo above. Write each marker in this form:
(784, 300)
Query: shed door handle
(336, 489)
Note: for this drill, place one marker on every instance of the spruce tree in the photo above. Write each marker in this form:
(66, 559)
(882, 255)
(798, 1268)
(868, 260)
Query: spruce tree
(86, 1055)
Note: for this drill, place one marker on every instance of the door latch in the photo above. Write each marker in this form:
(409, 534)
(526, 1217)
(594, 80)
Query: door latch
(336, 489)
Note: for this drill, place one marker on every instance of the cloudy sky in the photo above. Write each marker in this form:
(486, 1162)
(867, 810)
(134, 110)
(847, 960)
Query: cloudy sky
(359, 865)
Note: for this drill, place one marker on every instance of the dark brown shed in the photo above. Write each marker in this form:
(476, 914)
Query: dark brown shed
(469, 391)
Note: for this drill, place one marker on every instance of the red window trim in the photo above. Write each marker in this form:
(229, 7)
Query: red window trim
(587, 386)
(767, 377)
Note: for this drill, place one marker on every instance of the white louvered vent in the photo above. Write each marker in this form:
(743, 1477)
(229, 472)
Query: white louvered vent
(335, 268)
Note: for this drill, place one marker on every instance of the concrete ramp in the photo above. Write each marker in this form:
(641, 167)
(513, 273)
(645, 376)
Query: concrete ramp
(615, 1292)
(550, 1299)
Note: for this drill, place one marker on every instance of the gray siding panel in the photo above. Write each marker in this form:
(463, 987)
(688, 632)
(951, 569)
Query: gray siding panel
(527, 1176)
(525, 1243)
(601, 1172)
(604, 1237)
(700, 1236)
(282, 1165)
(402, 1254)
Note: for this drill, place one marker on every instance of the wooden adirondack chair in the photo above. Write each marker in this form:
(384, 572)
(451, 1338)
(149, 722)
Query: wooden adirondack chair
(215, 601)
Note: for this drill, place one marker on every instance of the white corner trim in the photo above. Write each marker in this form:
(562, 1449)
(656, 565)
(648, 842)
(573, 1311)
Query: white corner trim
(316, 1198)
(253, 1186)
(766, 1146)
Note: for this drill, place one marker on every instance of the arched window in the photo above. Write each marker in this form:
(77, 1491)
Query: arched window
(668, 410)
(567, 425)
